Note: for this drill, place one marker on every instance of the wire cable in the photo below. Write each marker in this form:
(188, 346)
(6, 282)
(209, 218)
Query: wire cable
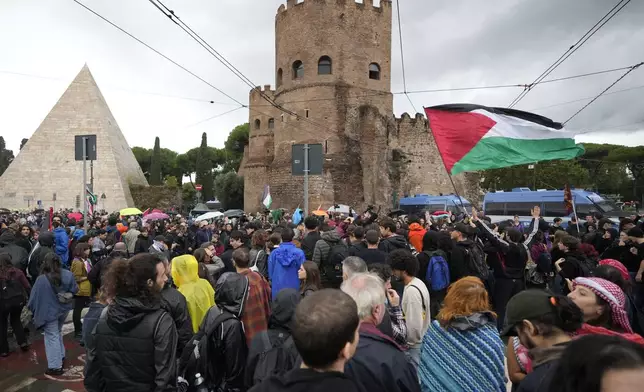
(212, 117)
(402, 57)
(586, 98)
(633, 68)
(157, 52)
(593, 30)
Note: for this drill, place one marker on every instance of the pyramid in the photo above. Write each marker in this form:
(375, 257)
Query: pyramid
(46, 166)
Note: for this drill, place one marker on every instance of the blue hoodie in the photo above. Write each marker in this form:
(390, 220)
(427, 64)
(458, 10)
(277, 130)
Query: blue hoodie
(61, 245)
(283, 264)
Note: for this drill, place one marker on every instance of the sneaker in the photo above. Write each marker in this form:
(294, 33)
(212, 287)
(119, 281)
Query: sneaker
(4, 355)
(25, 347)
(55, 372)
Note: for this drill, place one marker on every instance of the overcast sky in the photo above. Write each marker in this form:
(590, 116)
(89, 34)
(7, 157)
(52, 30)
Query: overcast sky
(448, 44)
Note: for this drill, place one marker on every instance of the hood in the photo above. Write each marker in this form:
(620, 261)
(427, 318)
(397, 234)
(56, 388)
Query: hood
(7, 238)
(397, 241)
(284, 308)
(465, 243)
(126, 313)
(46, 239)
(415, 227)
(473, 321)
(288, 255)
(331, 236)
(185, 269)
(144, 237)
(542, 355)
(59, 229)
(430, 240)
(231, 292)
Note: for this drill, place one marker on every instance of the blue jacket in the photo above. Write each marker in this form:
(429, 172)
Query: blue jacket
(283, 264)
(61, 245)
(43, 302)
(202, 236)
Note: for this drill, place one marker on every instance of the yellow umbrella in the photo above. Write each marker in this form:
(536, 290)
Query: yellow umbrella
(319, 213)
(130, 211)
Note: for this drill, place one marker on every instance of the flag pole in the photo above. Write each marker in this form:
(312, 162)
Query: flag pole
(574, 211)
(445, 166)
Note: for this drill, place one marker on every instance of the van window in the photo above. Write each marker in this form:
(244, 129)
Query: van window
(520, 208)
(554, 209)
(494, 208)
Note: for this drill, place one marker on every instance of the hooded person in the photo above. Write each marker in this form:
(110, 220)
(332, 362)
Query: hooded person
(416, 233)
(283, 264)
(603, 305)
(9, 245)
(44, 246)
(159, 248)
(226, 350)
(198, 292)
(261, 364)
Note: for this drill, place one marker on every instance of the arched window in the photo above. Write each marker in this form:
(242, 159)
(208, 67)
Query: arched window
(374, 71)
(258, 124)
(298, 70)
(271, 123)
(279, 77)
(324, 66)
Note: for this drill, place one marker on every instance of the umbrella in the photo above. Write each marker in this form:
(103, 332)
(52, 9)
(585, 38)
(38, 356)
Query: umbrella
(76, 215)
(156, 216)
(4, 211)
(209, 215)
(130, 211)
(319, 213)
(147, 212)
(234, 213)
(341, 209)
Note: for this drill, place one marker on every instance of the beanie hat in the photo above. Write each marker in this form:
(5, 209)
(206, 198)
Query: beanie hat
(617, 265)
(612, 294)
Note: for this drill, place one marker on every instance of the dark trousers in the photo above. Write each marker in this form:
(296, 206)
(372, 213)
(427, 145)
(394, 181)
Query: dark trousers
(12, 314)
(436, 299)
(504, 289)
(79, 304)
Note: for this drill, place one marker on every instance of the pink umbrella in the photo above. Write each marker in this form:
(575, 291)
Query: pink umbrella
(148, 212)
(156, 216)
(76, 215)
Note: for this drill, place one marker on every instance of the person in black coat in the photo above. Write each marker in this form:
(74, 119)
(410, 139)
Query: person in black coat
(96, 274)
(9, 245)
(312, 236)
(135, 342)
(43, 248)
(143, 242)
(373, 255)
(175, 304)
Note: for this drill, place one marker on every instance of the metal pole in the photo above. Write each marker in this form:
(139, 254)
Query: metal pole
(84, 199)
(534, 178)
(306, 180)
(91, 175)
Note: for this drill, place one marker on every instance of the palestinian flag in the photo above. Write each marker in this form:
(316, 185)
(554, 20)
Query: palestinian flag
(473, 137)
(267, 200)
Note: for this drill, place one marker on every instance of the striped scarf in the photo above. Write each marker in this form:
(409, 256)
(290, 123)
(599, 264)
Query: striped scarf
(455, 360)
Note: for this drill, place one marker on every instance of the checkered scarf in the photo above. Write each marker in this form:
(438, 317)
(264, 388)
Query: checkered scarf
(619, 266)
(612, 294)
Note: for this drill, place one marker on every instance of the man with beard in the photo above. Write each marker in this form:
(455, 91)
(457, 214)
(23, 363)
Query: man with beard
(135, 339)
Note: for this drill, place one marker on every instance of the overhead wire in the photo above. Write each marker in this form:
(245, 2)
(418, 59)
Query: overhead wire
(586, 98)
(212, 117)
(402, 57)
(633, 68)
(571, 50)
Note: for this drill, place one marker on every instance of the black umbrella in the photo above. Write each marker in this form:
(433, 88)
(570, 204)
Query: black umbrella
(234, 213)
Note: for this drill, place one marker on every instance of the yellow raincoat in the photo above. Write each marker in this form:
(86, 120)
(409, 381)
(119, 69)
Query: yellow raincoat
(198, 292)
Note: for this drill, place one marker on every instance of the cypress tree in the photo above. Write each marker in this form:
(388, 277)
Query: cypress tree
(204, 169)
(155, 164)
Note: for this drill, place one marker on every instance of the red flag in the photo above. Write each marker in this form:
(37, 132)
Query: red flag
(568, 200)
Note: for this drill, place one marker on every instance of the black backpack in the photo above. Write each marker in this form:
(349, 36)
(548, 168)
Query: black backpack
(280, 358)
(12, 294)
(332, 266)
(476, 261)
(195, 356)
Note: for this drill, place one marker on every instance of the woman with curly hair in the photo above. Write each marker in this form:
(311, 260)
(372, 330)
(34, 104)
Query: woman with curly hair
(462, 336)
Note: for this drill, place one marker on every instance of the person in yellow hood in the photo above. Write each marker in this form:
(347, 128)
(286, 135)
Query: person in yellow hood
(198, 292)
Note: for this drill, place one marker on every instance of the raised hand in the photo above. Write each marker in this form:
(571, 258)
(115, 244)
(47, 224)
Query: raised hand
(475, 214)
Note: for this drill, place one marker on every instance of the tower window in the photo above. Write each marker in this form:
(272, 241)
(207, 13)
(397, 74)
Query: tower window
(374, 71)
(271, 123)
(324, 66)
(298, 70)
(306, 113)
(279, 77)
(258, 124)
(282, 118)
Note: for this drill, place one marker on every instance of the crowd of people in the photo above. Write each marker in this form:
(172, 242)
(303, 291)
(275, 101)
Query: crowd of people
(366, 303)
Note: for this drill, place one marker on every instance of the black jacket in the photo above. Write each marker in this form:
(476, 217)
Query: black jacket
(392, 243)
(173, 302)
(135, 349)
(571, 268)
(459, 266)
(308, 244)
(372, 256)
(227, 350)
(8, 244)
(514, 256)
(544, 364)
(142, 244)
(356, 247)
(37, 256)
(307, 380)
(96, 273)
(279, 330)
(379, 365)
(227, 258)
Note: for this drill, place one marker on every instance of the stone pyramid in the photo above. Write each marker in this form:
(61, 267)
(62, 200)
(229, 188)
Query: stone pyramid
(45, 166)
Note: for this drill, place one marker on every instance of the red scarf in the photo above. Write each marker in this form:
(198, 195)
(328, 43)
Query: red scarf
(587, 329)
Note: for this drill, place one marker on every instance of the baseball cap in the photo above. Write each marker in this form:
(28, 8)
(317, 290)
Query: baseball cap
(462, 227)
(635, 232)
(526, 305)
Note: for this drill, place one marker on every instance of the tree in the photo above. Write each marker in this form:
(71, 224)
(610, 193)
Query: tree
(633, 158)
(155, 164)
(23, 142)
(6, 156)
(230, 190)
(546, 174)
(204, 167)
(234, 147)
(143, 157)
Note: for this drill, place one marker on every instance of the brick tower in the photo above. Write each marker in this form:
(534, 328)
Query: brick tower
(333, 66)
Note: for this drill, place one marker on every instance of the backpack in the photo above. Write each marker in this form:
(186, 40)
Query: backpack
(12, 294)
(332, 266)
(111, 238)
(476, 261)
(278, 359)
(194, 357)
(437, 276)
(587, 267)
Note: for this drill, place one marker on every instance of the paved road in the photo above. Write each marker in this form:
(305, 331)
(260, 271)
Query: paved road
(25, 371)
